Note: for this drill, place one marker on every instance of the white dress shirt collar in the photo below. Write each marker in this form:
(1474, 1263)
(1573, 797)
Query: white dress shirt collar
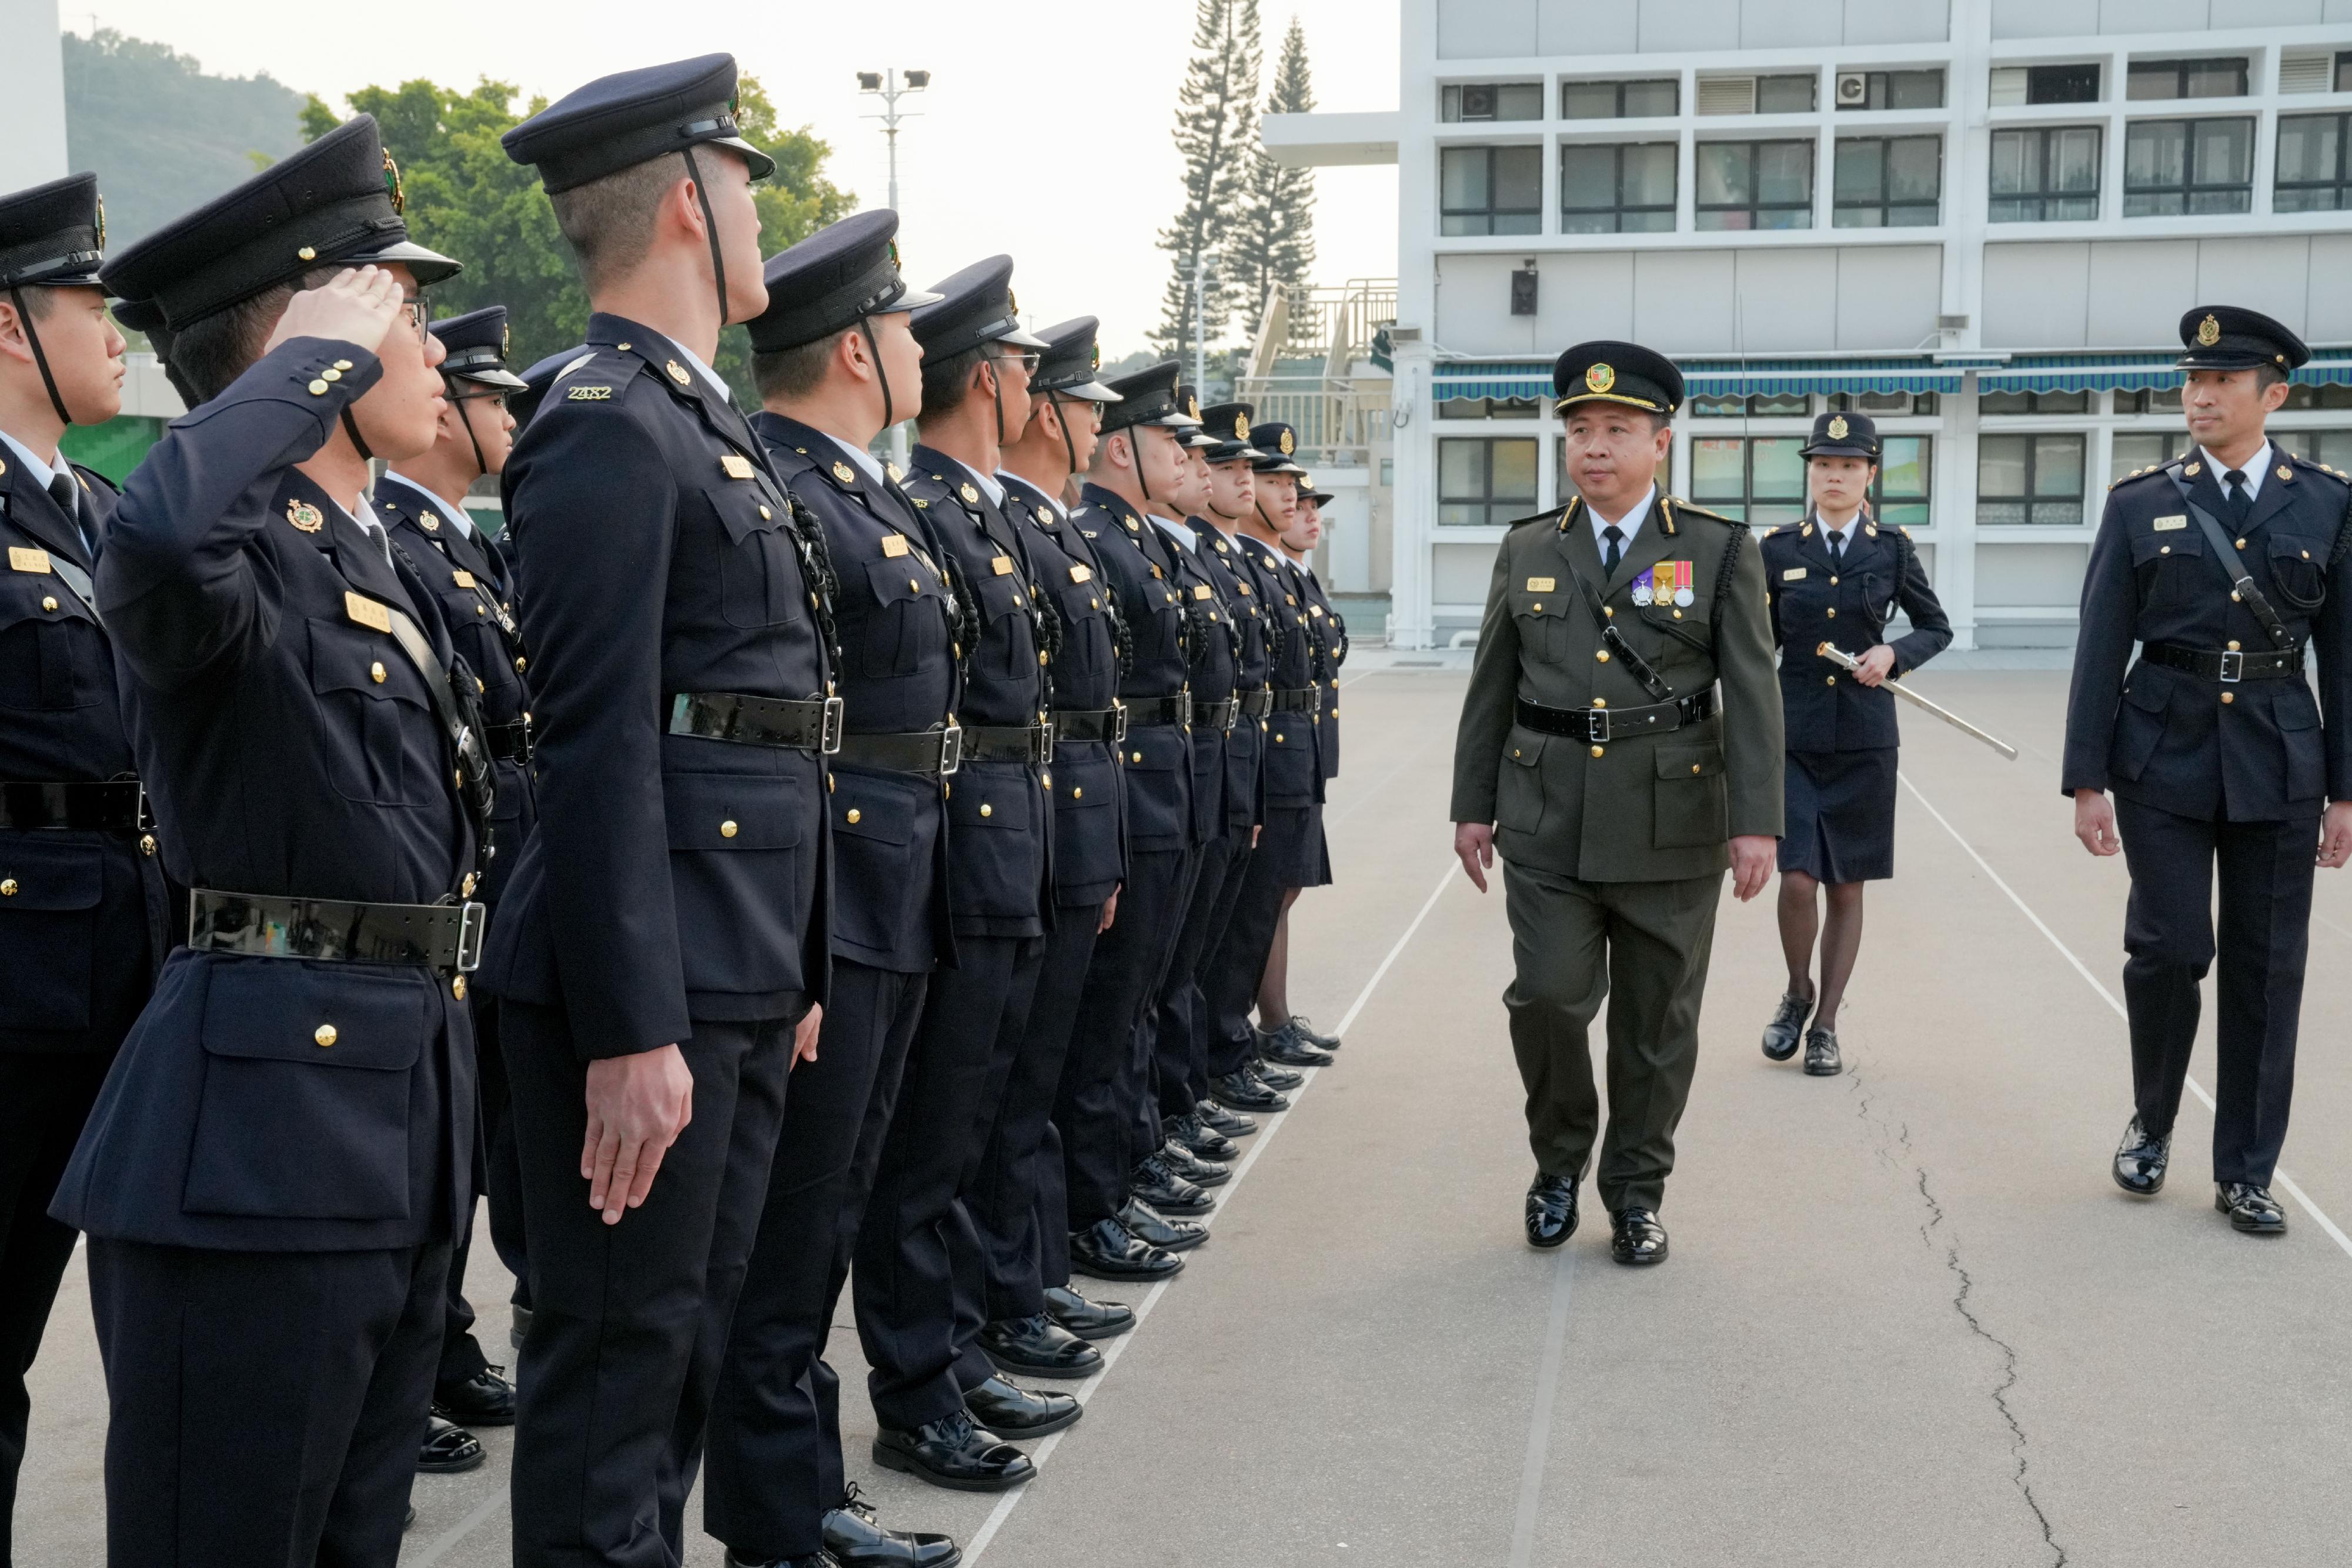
(2256, 466)
(987, 482)
(1628, 524)
(455, 516)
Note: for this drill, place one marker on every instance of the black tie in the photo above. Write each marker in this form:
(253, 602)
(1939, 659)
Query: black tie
(1837, 549)
(1616, 551)
(63, 491)
(2239, 502)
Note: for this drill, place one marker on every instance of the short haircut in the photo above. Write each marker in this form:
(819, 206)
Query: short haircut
(33, 298)
(946, 382)
(211, 353)
(795, 372)
(2267, 377)
(1658, 421)
(609, 222)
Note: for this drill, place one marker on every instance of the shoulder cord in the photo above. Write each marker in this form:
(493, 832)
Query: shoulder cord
(964, 612)
(2343, 536)
(1724, 572)
(825, 584)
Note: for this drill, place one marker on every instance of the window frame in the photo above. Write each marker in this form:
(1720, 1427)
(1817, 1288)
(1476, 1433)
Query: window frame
(1739, 508)
(1490, 211)
(2030, 500)
(2181, 68)
(1449, 95)
(1885, 206)
(1883, 78)
(1618, 212)
(2099, 81)
(1494, 512)
(2190, 188)
(2044, 195)
(2341, 185)
(1756, 206)
(1882, 508)
(1675, 84)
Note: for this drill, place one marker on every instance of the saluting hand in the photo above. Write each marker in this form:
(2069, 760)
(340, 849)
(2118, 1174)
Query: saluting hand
(2336, 835)
(356, 307)
(637, 1105)
(2094, 824)
(1473, 845)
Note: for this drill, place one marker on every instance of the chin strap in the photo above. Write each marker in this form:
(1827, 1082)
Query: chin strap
(996, 394)
(1135, 450)
(482, 464)
(1062, 419)
(710, 225)
(351, 429)
(25, 320)
(874, 346)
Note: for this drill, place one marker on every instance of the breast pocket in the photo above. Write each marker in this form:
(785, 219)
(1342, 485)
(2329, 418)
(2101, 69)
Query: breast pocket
(1085, 638)
(1005, 611)
(735, 845)
(907, 625)
(51, 656)
(1541, 617)
(378, 733)
(759, 571)
(2299, 573)
(2170, 567)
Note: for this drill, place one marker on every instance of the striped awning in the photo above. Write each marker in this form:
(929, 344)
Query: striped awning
(2132, 372)
(1714, 378)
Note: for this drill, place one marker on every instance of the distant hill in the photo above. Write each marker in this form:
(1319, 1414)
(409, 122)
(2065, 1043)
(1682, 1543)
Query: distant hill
(162, 135)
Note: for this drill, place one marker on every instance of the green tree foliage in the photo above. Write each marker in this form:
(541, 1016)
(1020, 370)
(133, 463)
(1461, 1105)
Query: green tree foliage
(1216, 123)
(1275, 242)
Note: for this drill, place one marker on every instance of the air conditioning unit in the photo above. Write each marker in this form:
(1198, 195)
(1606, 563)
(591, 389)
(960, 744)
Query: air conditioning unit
(1726, 95)
(1478, 103)
(1852, 89)
(2304, 73)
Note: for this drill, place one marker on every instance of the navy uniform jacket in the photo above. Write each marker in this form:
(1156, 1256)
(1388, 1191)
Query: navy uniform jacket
(898, 675)
(1158, 758)
(1849, 607)
(673, 877)
(1331, 641)
(1090, 791)
(1241, 586)
(86, 917)
(1294, 766)
(289, 747)
(469, 578)
(1000, 828)
(1213, 673)
(2169, 739)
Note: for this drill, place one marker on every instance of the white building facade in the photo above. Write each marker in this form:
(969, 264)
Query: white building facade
(1979, 221)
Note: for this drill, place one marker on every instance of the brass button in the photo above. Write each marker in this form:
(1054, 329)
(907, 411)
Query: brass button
(1695, 766)
(318, 388)
(457, 988)
(1097, 604)
(1603, 656)
(1041, 656)
(146, 843)
(518, 665)
(324, 1034)
(1135, 757)
(2164, 549)
(375, 672)
(1599, 702)
(1610, 610)
(49, 603)
(2241, 544)
(728, 830)
(1678, 614)
(1536, 605)
(1079, 793)
(466, 888)
(2233, 647)
(1048, 780)
(331, 375)
(764, 514)
(913, 586)
(2228, 696)
(480, 610)
(342, 364)
(1833, 582)
(1277, 735)
(7, 887)
(1832, 614)
(986, 809)
(1599, 750)
(853, 816)
(1829, 680)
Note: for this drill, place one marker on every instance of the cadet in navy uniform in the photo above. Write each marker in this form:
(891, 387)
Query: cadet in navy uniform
(272, 1177)
(661, 956)
(1841, 727)
(2226, 565)
(82, 904)
(937, 1422)
(836, 364)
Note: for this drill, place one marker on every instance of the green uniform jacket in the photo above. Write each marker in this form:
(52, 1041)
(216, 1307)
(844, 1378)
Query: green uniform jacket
(1639, 809)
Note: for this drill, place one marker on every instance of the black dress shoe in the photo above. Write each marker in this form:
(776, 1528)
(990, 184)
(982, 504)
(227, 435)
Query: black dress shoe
(1285, 1048)
(2251, 1209)
(1300, 1023)
(485, 1399)
(1225, 1121)
(1273, 1077)
(1156, 1183)
(1636, 1238)
(2141, 1160)
(1245, 1091)
(1038, 1346)
(1085, 1318)
(1788, 1025)
(1018, 1413)
(853, 1538)
(449, 1450)
(1109, 1250)
(814, 1560)
(1193, 1167)
(954, 1453)
(1197, 1138)
(1551, 1211)
(1158, 1230)
(1822, 1058)
(409, 1523)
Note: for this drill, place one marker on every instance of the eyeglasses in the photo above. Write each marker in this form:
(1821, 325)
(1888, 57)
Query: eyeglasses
(1026, 359)
(419, 312)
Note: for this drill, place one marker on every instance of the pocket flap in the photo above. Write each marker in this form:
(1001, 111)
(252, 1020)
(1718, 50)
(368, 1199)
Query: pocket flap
(283, 1009)
(991, 795)
(38, 875)
(1525, 748)
(347, 658)
(898, 579)
(2147, 691)
(1689, 761)
(732, 810)
(1158, 749)
(2148, 546)
(881, 820)
(743, 509)
(2295, 710)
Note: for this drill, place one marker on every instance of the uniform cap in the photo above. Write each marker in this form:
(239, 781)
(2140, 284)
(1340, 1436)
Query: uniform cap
(1070, 361)
(1274, 441)
(1187, 398)
(477, 345)
(53, 234)
(974, 306)
(1308, 492)
(1843, 435)
(835, 278)
(1148, 397)
(2227, 337)
(630, 118)
(1607, 372)
(1229, 423)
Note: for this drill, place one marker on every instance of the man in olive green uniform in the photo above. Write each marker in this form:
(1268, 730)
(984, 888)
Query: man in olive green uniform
(1621, 745)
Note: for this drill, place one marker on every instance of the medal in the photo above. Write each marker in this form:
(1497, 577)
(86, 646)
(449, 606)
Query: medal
(1645, 593)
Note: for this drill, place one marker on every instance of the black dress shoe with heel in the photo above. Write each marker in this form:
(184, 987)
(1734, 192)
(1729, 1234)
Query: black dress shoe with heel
(448, 1449)
(956, 1453)
(1156, 1183)
(1158, 1230)
(1193, 1167)
(1224, 1120)
(1109, 1250)
(2251, 1209)
(2141, 1160)
(1198, 1139)
(1245, 1090)
(485, 1399)
(1284, 1048)
(1822, 1058)
(1636, 1239)
(1038, 1347)
(853, 1538)
(1018, 1413)
(1788, 1026)
(1551, 1211)
(1085, 1318)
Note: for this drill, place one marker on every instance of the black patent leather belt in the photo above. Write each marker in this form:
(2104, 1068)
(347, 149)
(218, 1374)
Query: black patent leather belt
(509, 742)
(2227, 667)
(1257, 703)
(1298, 699)
(935, 753)
(1091, 724)
(445, 936)
(812, 725)
(1216, 715)
(1145, 713)
(1008, 743)
(117, 806)
(1598, 724)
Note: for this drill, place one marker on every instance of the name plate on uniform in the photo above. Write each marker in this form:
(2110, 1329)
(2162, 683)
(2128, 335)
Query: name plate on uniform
(32, 560)
(1316, 610)
(737, 467)
(1794, 574)
(1244, 587)
(462, 579)
(1082, 574)
(367, 611)
(894, 546)
(2166, 525)
(1200, 591)
(1542, 584)
(1002, 565)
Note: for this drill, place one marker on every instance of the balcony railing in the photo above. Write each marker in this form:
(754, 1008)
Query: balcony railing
(1309, 367)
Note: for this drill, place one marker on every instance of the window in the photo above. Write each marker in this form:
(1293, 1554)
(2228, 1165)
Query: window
(2344, 84)
(2140, 450)
(2048, 175)
(1620, 99)
(2149, 399)
(1888, 182)
(2045, 84)
(1882, 405)
(1758, 480)
(2034, 402)
(2177, 166)
(1756, 185)
(1617, 190)
(2328, 396)
(2029, 480)
(1492, 100)
(1786, 94)
(1487, 408)
(1484, 482)
(2223, 77)
(1898, 497)
(2313, 174)
(1895, 90)
(1762, 405)
(2333, 447)
(1491, 189)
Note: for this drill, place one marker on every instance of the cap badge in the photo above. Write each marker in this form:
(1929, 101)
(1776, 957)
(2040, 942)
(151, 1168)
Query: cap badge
(1093, 356)
(1241, 427)
(506, 342)
(1287, 445)
(677, 372)
(392, 186)
(1012, 305)
(970, 494)
(429, 523)
(894, 266)
(1838, 427)
(305, 517)
(841, 471)
(1599, 378)
(1192, 407)
(2208, 331)
(101, 222)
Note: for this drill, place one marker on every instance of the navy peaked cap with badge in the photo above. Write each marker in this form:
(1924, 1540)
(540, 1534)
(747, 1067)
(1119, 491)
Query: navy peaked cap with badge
(1188, 397)
(1070, 361)
(1274, 441)
(335, 201)
(1308, 492)
(973, 306)
(477, 345)
(1229, 423)
(2226, 338)
(630, 118)
(1609, 372)
(53, 234)
(835, 278)
(1843, 435)
(1148, 397)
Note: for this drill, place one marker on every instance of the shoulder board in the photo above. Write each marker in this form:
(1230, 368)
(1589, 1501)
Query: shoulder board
(2314, 466)
(1090, 533)
(1786, 530)
(1557, 514)
(2141, 474)
(596, 376)
(92, 480)
(791, 461)
(1685, 510)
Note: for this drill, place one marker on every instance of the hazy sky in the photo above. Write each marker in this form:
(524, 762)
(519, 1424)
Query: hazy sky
(1046, 133)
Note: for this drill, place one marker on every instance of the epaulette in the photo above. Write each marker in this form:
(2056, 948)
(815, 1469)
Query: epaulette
(2315, 467)
(620, 370)
(1557, 514)
(92, 480)
(1786, 530)
(1683, 508)
(2142, 473)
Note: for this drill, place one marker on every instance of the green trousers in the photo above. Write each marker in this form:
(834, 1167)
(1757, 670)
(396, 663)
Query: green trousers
(1573, 943)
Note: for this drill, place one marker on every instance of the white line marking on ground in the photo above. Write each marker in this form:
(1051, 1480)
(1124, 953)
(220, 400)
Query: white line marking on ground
(1531, 1472)
(1117, 1347)
(483, 1511)
(2196, 1088)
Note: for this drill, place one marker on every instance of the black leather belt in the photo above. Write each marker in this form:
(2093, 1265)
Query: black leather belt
(1146, 712)
(1008, 743)
(1091, 724)
(810, 725)
(117, 806)
(445, 936)
(2230, 667)
(509, 742)
(1257, 704)
(935, 753)
(1598, 724)
(1298, 699)
(1216, 715)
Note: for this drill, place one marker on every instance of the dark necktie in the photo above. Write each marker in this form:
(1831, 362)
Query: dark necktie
(68, 496)
(1616, 550)
(1837, 549)
(2239, 502)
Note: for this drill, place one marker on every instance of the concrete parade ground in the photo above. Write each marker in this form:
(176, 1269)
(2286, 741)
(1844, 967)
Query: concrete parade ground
(1908, 1318)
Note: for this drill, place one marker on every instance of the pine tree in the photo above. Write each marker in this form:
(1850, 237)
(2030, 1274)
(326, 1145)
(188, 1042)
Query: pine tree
(1275, 240)
(1216, 123)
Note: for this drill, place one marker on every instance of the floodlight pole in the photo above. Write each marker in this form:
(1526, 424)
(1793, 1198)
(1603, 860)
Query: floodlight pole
(890, 87)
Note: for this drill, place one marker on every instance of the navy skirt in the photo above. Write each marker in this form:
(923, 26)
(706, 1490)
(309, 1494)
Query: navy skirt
(1291, 847)
(1841, 817)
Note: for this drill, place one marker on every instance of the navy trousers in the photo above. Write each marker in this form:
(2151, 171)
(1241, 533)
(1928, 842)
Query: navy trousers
(1182, 1048)
(1098, 1132)
(500, 1175)
(1237, 963)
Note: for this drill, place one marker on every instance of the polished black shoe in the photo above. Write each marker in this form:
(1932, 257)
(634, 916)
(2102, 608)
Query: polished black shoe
(1551, 1211)
(1018, 1413)
(1038, 1346)
(814, 1560)
(1085, 1318)
(1300, 1023)
(1226, 1122)
(1109, 1250)
(853, 1538)
(1197, 1138)
(1788, 1026)
(520, 1329)
(1158, 1184)
(449, 1450)
(2251, 1209)
(1245, 1091)
(1822, 1058)
(1158, 1230)
(1273, 1077)
(954, 1453)
(409, 1523)
(2141, 1160)
(1285, 1048)
(485, 1399)
(1193, 1167)
(1636, 1238)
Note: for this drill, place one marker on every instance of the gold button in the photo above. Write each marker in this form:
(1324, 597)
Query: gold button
(8, 887)
(1536, 605)
(1277, 735)
(342, 364)
(1041, 656)
(1599, 702)
(1831, 680)
(2228, 696)
(2164, 549)
(375, 672)
(1695, 766)
(765, 514)
(728, 830)
(457, 988)
(318, 388)
(331, 375)
(2241, 544)
(1832, 614)
(307, 253)
(852, 815)
(913, 586)
(1048, 780)
(324, 1034)
(1135, 757)
(480, 610)
(1097, 604)
(1079, 793)
(1603, 656)
(1599, 750)
(1517, 752)
(2306, 554)
(986, 809)
(518, 664)
(2233, 647)
(1833, 582)
(1678, 614)
(146, 843)
(466, 888)
(49, 603)
(1610, 610)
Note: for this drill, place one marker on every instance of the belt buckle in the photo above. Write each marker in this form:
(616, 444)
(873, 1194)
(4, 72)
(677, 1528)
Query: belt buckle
(2232, 673)
(829, 732)
(1316, 705)
(1596, 724)
(1118, 721)
(1041, 743)
(1232, 712)
(146, 818)
(951, 747)
(472, 922)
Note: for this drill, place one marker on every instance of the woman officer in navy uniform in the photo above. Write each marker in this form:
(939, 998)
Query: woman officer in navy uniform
(1838, 577)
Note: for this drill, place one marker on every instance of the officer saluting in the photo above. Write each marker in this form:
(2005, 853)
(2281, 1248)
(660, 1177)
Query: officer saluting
(2225, 565)
(1617, 788)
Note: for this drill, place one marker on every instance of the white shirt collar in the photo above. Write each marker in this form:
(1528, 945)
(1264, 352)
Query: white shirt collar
(725, 395)
(45, 473)
(362, 516)
(1628, 524)
(455, 516)
(1845, 535)
(857, 455)
(1060, 511)
(994, 491)
(1179, 532)
(2256, 466)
